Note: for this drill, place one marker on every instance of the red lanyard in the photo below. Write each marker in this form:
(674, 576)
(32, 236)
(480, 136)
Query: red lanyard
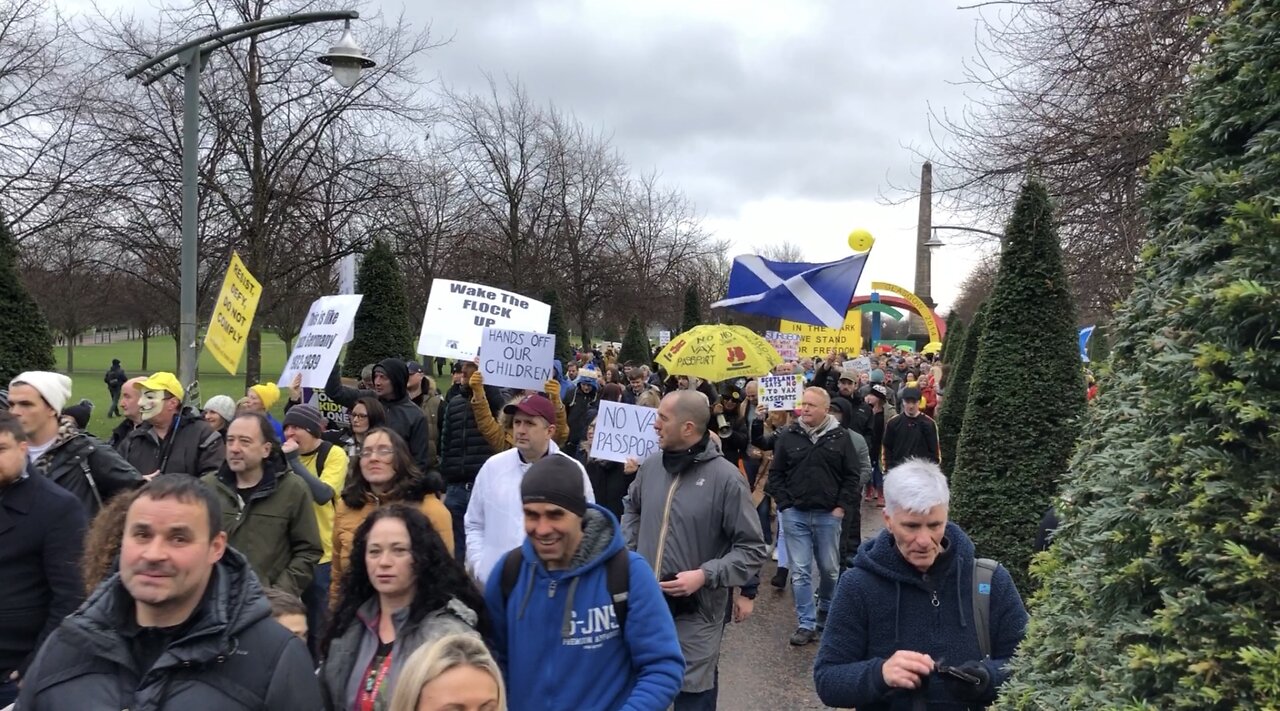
(373, 678)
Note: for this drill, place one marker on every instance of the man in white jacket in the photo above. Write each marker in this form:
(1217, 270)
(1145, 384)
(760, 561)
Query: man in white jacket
(495, 515)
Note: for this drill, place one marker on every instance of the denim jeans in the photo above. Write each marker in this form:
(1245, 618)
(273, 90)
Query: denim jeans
(877, 478)
(766, 525)
(456, 498)
(812, 535)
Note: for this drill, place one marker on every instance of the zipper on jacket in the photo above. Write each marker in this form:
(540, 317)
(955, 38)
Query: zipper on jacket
(666, 519)
(551, 589)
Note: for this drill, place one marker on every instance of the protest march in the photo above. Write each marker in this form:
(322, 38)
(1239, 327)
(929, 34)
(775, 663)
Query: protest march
(371, 477)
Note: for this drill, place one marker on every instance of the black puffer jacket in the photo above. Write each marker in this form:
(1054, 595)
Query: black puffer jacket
(89, 469)
(463, 449)
(232, 656)
(814, 476)
(196, 448)
(404, 417)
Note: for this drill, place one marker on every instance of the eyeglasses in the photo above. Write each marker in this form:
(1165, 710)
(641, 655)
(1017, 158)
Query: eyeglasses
(379, 452)
(359, 415)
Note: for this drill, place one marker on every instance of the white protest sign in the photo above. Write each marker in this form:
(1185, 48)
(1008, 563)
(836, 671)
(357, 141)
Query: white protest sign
(459, 311)
(781, 392)
(624, 431)
(786, 344)
(323, 333)
(862, 364)
(664, 337)
(516, 359)
(331, 410)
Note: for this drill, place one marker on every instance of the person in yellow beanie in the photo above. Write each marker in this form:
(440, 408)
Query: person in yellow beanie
(262, 397)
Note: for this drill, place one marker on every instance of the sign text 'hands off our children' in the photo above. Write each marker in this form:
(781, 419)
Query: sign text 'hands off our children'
(517, 359)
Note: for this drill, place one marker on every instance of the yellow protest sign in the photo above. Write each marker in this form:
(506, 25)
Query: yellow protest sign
(233, 315)
(818, 341)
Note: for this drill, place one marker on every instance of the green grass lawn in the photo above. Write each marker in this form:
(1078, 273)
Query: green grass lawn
(92, 362)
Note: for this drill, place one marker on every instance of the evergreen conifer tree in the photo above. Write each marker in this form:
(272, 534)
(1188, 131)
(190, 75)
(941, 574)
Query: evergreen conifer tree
(25, 340)
(1160, 590)
(611, 333)
(635, 346)
(692, 309)
(556, 327)
(1026, 394)
(953, 342)
(382, 328)
(956, 390)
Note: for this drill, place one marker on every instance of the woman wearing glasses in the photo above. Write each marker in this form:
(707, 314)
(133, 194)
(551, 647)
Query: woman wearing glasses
(384, 473)
(366, 415)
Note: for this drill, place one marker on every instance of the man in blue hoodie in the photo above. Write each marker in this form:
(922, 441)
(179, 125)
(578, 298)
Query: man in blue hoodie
(902, 626)
(557, 632)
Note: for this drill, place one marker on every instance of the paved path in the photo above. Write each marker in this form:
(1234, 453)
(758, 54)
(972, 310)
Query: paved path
(759, 671)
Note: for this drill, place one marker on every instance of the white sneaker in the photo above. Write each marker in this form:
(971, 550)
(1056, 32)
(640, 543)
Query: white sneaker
(774, 553)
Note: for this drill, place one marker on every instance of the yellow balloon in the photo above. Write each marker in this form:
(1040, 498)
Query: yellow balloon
(860, 240)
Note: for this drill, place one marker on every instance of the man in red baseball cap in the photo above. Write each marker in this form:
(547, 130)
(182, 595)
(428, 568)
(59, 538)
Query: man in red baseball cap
(495, 514)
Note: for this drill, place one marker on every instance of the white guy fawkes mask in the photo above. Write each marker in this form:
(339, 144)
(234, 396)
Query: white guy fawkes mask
(150, 403)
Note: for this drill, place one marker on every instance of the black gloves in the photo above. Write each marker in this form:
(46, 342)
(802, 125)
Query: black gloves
(968, 682)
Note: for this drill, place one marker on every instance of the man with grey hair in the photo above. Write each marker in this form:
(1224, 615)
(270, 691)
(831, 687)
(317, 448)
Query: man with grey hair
(903, 625)
(814, 477)
(689, 514)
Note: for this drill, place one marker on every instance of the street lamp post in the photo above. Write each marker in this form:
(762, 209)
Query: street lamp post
(346, 59)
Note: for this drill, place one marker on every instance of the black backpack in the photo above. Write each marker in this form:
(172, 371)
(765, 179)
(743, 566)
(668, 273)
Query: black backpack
(617, 580)
(322, 453)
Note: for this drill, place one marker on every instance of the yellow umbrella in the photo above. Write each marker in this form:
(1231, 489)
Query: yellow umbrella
(717, 352)
(931, 347)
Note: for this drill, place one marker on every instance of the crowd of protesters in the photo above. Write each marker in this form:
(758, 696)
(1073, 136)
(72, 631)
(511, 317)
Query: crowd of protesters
(464, 549)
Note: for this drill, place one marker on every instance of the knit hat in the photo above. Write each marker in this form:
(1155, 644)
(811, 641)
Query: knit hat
(305, 417)
(268, 393)
(80, 413)
(223, 405)
(55, 388)
(555, 479)
(877, 376)
(909, 394)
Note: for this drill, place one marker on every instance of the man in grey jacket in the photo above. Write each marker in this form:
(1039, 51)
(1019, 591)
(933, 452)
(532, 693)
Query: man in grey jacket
(689, 514)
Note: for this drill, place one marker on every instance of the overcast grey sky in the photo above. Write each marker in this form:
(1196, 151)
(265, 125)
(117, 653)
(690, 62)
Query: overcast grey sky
(782, 120)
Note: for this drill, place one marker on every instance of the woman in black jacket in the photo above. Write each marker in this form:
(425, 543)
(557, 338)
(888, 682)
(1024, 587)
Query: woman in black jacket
(609, 480)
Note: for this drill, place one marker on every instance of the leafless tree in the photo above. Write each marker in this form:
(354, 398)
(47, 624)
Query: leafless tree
(1080, 93)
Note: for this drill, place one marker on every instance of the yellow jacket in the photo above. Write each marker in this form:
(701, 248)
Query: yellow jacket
(347, 520)
(335, 475)
(499, 439)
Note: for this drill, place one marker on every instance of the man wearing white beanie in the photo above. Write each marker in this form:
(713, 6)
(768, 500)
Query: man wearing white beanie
(74, 460)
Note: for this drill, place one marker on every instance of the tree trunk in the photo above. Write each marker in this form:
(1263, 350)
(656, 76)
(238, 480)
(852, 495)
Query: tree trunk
(71, 355)
(146, 343)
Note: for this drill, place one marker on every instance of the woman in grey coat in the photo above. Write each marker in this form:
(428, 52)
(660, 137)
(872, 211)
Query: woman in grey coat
(402, 590)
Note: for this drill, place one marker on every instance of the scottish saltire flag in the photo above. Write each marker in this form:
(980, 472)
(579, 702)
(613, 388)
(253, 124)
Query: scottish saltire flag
(797, 291)
(1085, 334)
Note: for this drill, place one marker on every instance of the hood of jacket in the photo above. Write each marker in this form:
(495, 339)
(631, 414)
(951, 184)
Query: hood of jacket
(398, 373)
(815, 433)
(846, 410)
(880, 556)
(233, 604)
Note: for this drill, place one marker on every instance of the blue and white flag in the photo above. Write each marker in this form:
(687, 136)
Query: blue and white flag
(797, 291)
(1085, 334)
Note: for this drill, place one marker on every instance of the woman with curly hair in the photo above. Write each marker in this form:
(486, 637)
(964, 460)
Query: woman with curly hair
(102, 541)
(384, 473)
(456, 672)
(403, 590)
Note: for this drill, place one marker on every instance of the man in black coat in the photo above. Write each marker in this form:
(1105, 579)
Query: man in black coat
(814, 478)
(463, 449)
(41, 533)
(184, 625)
(391, 387)
(910, 435)
(115, 380)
